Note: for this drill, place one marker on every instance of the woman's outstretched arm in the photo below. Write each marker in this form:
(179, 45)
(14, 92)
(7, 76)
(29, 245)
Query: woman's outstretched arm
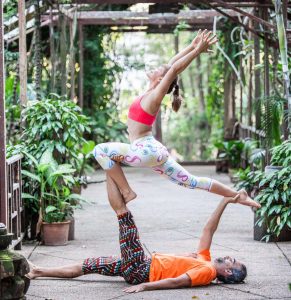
(206, 39)
(186, 50)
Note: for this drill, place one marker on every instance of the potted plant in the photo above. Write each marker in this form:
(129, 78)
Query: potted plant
(273, 191)
(229, 155)
(54, 196)
(57, 124)
(274, 217)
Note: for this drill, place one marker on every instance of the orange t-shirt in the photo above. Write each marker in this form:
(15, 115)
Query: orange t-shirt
(199, 269)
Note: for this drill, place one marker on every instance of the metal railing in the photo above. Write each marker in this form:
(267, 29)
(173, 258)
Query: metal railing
(15, 205)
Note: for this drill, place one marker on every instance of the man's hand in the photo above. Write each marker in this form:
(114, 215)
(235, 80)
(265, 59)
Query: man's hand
(117, 158)
(136, 288)
(232, 199)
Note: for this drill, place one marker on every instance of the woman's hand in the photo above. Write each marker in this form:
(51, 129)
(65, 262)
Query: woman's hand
(136, 288)
(197, 39)
(204, 40)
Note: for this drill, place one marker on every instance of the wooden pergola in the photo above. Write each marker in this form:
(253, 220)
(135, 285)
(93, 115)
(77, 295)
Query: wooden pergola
(162, 17)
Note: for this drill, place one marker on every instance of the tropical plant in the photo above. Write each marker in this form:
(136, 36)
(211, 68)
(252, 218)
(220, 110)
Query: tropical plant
(272, 111)
(53, 185)
(248, 180)
(231, 151)
(275, 199)
(57, 125)
(281, 155)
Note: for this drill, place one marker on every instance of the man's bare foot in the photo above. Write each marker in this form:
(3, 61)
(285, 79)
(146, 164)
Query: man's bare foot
(128, 196)
(244, 199)
(32, 271)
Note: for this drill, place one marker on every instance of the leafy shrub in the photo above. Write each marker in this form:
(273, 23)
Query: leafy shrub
(57, 125)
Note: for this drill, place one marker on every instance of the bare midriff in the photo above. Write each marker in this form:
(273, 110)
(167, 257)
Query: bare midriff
(137, 130)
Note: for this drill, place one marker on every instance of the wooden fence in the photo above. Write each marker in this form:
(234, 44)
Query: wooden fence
(15, 205)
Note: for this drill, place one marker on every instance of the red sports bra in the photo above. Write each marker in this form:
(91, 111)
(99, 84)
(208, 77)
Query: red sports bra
(137, 113)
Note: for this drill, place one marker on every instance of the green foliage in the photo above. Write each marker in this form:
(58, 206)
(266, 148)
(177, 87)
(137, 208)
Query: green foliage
(272, 190)
(248, 179)
(181, 26)
(231, 151)
(101, 72)
(10, 8)
(281, 155)
(53, 184)
(272, 109)
(275, 198)
(57, 125)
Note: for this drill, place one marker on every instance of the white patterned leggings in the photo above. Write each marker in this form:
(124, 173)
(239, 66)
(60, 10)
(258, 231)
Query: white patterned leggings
(148, 152)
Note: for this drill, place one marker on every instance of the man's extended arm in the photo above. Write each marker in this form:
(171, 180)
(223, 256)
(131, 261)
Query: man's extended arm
(212, 223)
(169, 283)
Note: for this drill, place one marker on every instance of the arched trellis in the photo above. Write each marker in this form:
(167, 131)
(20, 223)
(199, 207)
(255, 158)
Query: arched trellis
(126, 21)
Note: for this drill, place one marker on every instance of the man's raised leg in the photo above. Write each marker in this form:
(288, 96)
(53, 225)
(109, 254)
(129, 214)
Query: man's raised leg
(114, 196)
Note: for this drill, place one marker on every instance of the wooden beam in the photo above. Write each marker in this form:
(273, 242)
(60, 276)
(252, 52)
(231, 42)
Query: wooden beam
(117, 18)
(3, 185)
(22, 53)
(245, 13)
(245, 3)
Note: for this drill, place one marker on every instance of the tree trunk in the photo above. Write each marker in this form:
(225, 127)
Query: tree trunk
(22, 53)
(38, 52)
(63, 55)
(284, 59)
(200, 85)
(52, 53)
(229, 101)
(257, 74)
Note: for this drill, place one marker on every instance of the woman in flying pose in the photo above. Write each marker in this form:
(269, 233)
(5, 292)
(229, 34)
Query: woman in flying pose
(144, 150)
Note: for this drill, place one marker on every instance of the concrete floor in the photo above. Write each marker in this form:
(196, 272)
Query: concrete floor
(170, 219)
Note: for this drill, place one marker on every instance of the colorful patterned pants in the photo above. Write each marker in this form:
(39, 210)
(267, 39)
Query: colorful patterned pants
(148, 152)
(133, 266)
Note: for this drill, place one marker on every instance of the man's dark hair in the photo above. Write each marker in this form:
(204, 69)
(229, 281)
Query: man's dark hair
(237, 276)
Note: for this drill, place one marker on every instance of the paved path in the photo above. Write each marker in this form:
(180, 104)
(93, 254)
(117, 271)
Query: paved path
(170, 219)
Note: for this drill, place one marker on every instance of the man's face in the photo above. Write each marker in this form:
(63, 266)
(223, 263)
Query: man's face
(226, 262)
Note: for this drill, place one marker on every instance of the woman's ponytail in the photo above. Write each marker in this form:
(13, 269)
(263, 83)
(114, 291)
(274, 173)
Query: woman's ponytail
(176, 98)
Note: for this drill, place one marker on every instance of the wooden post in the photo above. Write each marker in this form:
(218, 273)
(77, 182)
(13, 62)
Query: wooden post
(22, 53)
(257, 74)
(72, 60)
(63, 55)
(266, 61)
(52, 52)
(3, 186)
(81, 63)
(250, 91)
(240, 93)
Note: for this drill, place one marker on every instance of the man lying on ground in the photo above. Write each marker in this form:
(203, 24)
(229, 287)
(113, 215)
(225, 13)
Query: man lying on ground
(161, 271)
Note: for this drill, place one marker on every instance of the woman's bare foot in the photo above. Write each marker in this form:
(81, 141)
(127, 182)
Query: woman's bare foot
(246, 200)
(128, 195)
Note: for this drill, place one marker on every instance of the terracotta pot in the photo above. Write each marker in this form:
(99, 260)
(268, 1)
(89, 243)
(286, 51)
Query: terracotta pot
(55, 234)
